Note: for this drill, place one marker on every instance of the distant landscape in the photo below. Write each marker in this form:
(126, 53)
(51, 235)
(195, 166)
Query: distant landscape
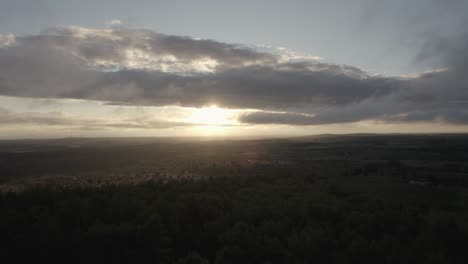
(351, 198)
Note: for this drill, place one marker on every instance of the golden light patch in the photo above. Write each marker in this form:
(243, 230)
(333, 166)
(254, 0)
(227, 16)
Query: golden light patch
(212, 116)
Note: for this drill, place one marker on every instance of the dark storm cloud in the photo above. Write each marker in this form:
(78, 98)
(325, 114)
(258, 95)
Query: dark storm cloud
(437, 96)
(364, 110)
(130, 67)
(257, 86)
(61, 64)
(277, 118)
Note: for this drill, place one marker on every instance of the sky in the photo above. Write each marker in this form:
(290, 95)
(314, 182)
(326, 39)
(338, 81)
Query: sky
(232, 68)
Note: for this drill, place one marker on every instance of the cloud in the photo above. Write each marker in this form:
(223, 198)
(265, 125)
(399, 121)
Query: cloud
(100, 64)
(7, 40)
(141, 67)
(8, 118)
(256, 86)
(114, 22)
(261, 117)
(287, 55)
(145, 49)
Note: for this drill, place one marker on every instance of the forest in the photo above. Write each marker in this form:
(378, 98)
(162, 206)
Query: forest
(323, 199)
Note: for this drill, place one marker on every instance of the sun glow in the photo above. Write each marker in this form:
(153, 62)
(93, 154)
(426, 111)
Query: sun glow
(212, 115)
(211, 120)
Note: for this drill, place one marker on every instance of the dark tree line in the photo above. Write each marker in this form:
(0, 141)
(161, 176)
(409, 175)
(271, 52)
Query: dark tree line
(224, 220)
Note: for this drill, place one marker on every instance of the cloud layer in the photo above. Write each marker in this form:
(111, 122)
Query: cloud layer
(142, 67)
(59, 119)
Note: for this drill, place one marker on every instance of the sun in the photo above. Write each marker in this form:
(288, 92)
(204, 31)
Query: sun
(211, 116)
(212, 120)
